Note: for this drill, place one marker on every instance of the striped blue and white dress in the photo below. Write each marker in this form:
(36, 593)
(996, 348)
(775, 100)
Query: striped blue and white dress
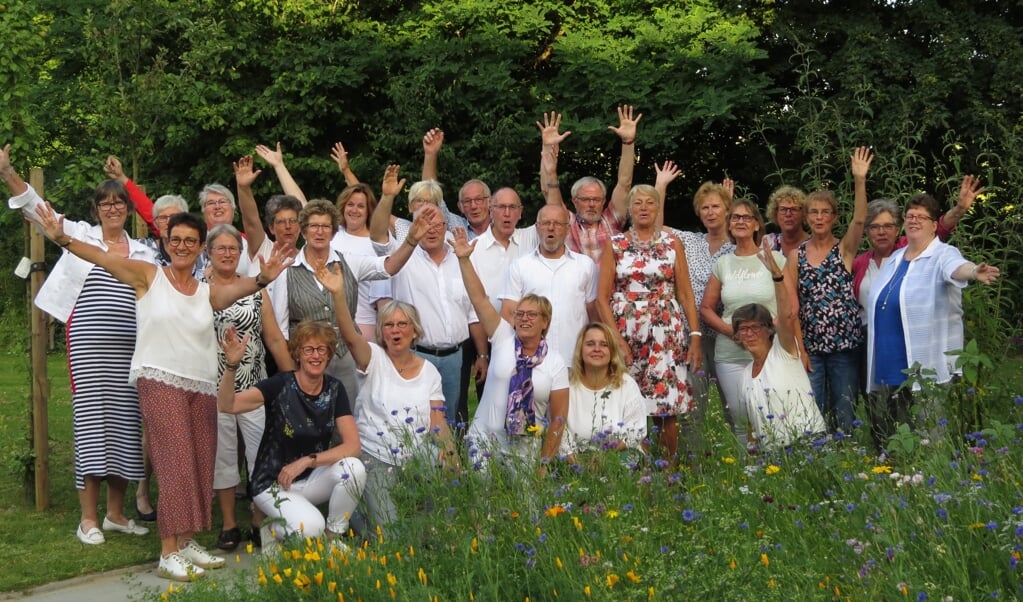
(105, 407)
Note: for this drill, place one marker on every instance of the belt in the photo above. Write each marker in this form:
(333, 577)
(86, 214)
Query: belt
(437, 352)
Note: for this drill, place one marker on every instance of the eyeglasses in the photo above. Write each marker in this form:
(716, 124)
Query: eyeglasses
(915, 218)
(111, 205)
(224, 249)
(739, 217)
(505, 208)
(319, 227)
(882, 227)
(476, 200)
(417, 202)
(177, 241)
(400, 324)
(310, 350)
(291, 221)
(549, 223)
(216, 202)
(163, 218)
(750, 329)
(789, 210)
(820, 212)
(589, 199)
(526, 315)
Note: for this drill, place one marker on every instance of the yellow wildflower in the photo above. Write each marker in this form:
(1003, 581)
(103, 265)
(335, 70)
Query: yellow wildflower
(586, 590)
(612, 579)
(772, 469)
(764, 560)
(881, 469)
(632, 576)
(728, 460)
(612, 514)
(554, 510)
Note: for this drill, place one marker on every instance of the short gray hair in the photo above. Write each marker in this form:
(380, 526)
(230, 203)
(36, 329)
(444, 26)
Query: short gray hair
(879, 206)
(217, 189)
(224, 230)
(586, 181)
(431, 188)
(170, 201)
(388, 310)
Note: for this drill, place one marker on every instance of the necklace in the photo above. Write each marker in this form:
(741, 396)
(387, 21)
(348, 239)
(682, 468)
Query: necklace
(183, 291)
(636, 240)
(120, 239)
(408, 365)
(900, 274)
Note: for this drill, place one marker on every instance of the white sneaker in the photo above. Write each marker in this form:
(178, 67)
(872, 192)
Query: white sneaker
(271, 545)
(177, 567)
(131, 528)
(197, 555)
(90, 538)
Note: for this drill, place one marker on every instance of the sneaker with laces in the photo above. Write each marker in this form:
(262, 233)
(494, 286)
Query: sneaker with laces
(197, 555)
(178, 568)
(131, 528)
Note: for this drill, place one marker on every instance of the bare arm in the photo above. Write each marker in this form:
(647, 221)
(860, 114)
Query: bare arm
(424, 218)
(709, 308)
(861, 161)
(380, 221)
(968, 192)
(15, 185)
(333, 281)
(479, 339)
(666, 174)
(244, 176)
(275, 158)
(605, 287)
(448, 455)
(273, 338)
(785, 324)
(973, 272)
(433, 140)
(227, 400)
(488, 316)
(687, 300)
(224, 295)
(626, 130)
(340, 156)
(557, 415)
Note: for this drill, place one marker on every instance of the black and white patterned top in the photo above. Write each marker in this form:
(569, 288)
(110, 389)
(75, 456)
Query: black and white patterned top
(701, 263)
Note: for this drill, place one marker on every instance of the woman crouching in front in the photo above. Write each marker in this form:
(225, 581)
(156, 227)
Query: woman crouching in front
(296, 467)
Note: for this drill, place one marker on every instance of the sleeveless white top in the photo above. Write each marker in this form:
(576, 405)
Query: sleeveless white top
(177, 344)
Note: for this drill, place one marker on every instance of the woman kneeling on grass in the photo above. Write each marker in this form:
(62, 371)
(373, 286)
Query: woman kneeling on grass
(606, 410)
(774, 388)
(296, 466)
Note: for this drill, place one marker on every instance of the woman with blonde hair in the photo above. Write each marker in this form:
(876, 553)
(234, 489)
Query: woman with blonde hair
(606, 410)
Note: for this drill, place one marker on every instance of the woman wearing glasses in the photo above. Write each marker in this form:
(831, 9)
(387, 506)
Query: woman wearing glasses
(100, 315)
(915, 313)
(738, 279)
(820, 277)
(251, 315)
(774, 387)
(174, 369)
(525, 399)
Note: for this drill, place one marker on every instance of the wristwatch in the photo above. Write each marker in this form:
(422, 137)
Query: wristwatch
(313, 458)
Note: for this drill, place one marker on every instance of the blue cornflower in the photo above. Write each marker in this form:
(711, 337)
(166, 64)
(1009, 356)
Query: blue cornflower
(942, 513)
(688, 515)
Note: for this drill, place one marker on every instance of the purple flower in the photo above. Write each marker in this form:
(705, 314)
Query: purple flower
(688, 515)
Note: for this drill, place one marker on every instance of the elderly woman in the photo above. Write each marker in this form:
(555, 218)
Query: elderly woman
(915, 313)
(174, 368)
(298, 466)
(738, 279)
(786, 207)
(606, 410)
(820, 276)
(526, 391)
(355, 205)
(775, 389)
(400, 409)
(642, 293)
(252, 316)
(100, 315)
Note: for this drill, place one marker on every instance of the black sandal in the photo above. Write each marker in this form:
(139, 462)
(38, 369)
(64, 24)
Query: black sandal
(229, 539)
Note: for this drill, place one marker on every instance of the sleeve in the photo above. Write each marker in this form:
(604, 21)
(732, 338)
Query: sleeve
(720, 268)
(342, 407)
(559, 377)
(780, 259)
(436, 387)
(591, 288)
(635, 415)
(271, 387)
(143, 205)
(512, 289)
(366, 268)
(951, 258)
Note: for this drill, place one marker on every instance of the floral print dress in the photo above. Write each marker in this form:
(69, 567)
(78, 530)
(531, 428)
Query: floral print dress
(649, 317)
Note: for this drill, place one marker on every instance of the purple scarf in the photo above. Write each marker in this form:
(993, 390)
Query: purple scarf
(521, 415)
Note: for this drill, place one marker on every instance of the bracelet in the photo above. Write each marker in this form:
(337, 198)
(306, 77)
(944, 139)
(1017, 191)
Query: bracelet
(483, 356)
(553, 185)
(261, 284)
(628, 142)
(230, 366)
(696, 333)
(70, 239)
(778, 278)
(974, 276)
(409, 242)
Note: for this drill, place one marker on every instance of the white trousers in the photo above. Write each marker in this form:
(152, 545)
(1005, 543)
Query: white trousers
(341, 483)
(251, 424)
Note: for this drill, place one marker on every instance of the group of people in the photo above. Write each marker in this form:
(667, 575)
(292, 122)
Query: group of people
(346, 358)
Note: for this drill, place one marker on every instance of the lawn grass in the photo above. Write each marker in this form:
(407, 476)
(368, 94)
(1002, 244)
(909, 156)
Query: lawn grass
(41, 547)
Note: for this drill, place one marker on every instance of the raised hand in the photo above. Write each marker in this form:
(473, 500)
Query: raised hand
(627, 122)
(968, 192)
(273, 158)
(461, 245)
(114, 170)
(48, 220)
(426, 217)
(766, 257)
(340, 156)
(549, 129)
(666, 173)
(729, 185)
(331, 278)
(244, 174)
(282, 256)
(392, 185)
(433, 140)
(5, 158)
(861, 160)
(986, 274)
(233, 345)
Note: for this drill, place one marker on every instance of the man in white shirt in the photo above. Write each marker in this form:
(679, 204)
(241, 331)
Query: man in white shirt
(567, 279)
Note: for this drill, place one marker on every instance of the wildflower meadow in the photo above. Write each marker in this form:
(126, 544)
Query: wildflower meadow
(938, 518)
